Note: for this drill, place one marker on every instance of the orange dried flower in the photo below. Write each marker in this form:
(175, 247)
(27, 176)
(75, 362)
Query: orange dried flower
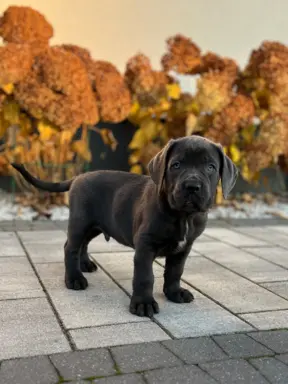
(15, 63)
(183, 55)
(24, 25)
(58, 88)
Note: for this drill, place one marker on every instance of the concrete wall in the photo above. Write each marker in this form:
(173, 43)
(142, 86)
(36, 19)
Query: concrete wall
(116, 29)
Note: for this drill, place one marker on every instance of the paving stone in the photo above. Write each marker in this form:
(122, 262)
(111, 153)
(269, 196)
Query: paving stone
(245, 264)
(274, 370)
(275, 255)
(84, 364)
(120, 264)
(99, 244)
(102, 303)
(119, 334)
(234, 372)
(231, 290)
(264, 234)
(10, 245)
(36, 370)
(283, 358)
(179, 375)
(267, 320)
(133, 378)
(29, 328)
(275, 340)
(197, 350)
(240, 345)
(18, 279)
(279, 228)
(142, 357)
(49, 237)
(280, 288)
(233, 238)
(200, 318)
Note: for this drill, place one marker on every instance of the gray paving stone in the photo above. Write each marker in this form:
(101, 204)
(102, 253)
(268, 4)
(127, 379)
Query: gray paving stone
(240, 345)
(234, 372)
(99, 244)
(245, 264)
(49, 237)
(179, 375)
(120, 264)
(10, 245)
(280, 288)
(279, 228)
(119, 334)
(233, 291)
(232, 237)
(275, 340)
(84, 364)
(267, 320)
(43, 253)
(36, 370)
(274, 370)
(275, 255)
(18, 279)
(283, 357)
(197, 350)
(142, 357)
(29, 328)
(102, 303)
(133, 378)
(200, 318)
(264, 234)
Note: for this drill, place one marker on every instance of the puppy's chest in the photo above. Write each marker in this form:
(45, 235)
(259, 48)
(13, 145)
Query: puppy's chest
(183, 239)
(178, 240)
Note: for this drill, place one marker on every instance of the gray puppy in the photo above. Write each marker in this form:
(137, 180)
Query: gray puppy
(160, 215)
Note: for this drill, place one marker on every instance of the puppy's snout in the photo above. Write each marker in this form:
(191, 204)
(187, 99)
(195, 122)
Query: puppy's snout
(192, 186)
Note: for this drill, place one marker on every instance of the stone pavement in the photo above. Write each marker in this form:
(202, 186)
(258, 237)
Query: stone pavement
(236, 330)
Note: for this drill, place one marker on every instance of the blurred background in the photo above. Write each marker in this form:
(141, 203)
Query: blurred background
(105, 84)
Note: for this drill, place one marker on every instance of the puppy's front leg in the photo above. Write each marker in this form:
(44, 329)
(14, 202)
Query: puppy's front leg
(142, 301)
(174, 267)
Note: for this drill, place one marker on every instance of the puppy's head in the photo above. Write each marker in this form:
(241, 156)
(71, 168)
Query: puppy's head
(187, 172)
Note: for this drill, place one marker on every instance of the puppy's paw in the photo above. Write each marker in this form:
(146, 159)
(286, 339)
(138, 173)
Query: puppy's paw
(180, 296)
(78, 283)
(143, 306)
(88, 265)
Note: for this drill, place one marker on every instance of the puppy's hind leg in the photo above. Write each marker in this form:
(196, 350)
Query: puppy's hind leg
(86, 264)
(77, 231)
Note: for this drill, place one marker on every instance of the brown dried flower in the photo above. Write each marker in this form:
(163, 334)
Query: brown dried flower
(15, 63)
(237, 114)
(24, 25)
(58, 88)
(183, 55)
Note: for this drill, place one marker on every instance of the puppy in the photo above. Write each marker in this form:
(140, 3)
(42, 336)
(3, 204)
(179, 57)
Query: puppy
(157, 215)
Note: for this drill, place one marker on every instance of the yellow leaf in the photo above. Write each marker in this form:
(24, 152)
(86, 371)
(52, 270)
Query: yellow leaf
(66, 136)
(138, 140)
(11, 111)
(46, 129)
(191, 123)
(134, 157)
(4, 125)
(219, 195)
(134, 108)
(245, 172)
(82, 149)
(235, 154)
(7, 88)
(25, 125)
(136, 169)
(248, 133)
(108, 138)
(174, 91)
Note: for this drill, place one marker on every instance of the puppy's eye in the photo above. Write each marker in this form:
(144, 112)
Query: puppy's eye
(176, 165)
(211, 168)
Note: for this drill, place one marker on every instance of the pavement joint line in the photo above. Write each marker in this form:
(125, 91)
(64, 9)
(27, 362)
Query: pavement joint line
(49, 299)
(263, 311)
(23, 298)
(260, 342)
(244, 277)
(129, 295)
(108, 325)
(214, 300)
(261, 373)
(269, 261)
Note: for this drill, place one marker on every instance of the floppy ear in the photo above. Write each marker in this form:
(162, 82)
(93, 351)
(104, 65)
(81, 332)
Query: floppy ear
(157, 166)
(228, 173)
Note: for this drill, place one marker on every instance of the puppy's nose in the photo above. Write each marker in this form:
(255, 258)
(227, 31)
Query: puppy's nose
(193, 186)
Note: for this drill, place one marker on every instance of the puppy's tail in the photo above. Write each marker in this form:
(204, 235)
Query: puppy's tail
(63, 186)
